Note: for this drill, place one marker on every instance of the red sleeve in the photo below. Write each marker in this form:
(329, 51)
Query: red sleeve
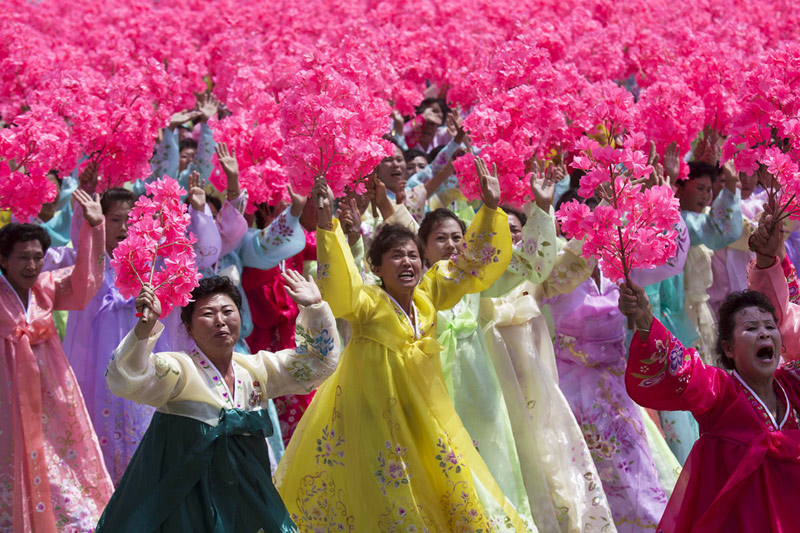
(662, 374)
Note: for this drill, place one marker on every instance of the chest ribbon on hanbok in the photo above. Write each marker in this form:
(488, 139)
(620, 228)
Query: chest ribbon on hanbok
(505, 312)
(778, 445)
(210, 453)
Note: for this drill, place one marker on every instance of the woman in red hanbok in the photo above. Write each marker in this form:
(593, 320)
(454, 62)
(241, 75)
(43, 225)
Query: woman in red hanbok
(743, 472)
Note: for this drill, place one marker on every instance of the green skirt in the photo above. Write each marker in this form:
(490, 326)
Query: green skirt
(189, 476)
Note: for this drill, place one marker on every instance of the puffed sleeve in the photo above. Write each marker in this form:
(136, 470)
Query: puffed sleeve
(301, 370)
(570, 270)
(282, 239)
(485, 256)
(76, 286)
(662, 374)
(138, 374)
(772, 282)
(337, 276)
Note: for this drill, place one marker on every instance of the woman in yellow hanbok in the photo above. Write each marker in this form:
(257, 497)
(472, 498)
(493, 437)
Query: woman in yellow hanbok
(381, 447)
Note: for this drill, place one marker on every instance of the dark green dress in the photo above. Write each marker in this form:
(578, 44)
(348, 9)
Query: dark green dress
(188, 476)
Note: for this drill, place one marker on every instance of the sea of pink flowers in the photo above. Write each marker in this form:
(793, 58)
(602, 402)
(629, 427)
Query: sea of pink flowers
(311, 85)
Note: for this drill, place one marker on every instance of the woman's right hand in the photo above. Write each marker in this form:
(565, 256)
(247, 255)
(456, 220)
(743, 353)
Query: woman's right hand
(634, 304)
(323, 195)
(148, 309)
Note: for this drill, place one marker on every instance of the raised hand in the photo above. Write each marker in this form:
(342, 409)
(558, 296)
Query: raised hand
(634, 304)
(730, 175)
(543, 184)
(148, 309)
(324, 198)
(207, 106)
(230, 166)
(87, 179)
(490, 186)
(453, 124)
(766, 241)
(672, 162)
(303, 291)
(182, 117)
(298, 201)
(430, 116)
(197, 194)
(92, 211)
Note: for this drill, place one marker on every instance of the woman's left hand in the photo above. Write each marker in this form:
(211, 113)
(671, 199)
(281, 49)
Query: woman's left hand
(303, 291)
(92, 211)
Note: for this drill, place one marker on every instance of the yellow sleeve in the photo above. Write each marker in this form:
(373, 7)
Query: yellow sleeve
(338, 277)
(486, 254)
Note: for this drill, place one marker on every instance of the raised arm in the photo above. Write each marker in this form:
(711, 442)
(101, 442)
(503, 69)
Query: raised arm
(486, 250)
(768, 277)
(202, 225)
(661, 373)
(673, 266)
(302, 369)
(338, 277)
(135, 372)
(76, 286)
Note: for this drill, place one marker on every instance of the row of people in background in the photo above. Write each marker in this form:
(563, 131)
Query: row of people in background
(482, 386)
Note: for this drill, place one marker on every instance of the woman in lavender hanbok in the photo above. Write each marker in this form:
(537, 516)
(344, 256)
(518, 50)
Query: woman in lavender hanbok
(591, 356)
(93, 334)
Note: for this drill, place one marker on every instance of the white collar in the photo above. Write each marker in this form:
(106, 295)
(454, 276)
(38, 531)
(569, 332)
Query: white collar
(413, 323)
(757, 397)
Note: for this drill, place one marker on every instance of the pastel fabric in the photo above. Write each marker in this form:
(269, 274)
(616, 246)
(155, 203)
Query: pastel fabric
(381, 447)
(203, 464)
(52, 474)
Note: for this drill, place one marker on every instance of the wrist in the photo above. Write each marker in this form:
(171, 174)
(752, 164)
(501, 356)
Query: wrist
(643, 323)
(765, 261)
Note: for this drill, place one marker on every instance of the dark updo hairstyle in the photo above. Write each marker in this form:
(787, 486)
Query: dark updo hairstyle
(116, 195)
(433, 219)
(726, 319)
(510, 210)
(187, 143)
(15, 232)
(209, 287)
(389, 236)
(698, 169)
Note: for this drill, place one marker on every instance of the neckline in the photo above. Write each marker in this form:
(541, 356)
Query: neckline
(25, 310)
(221, 385)
(787, 408)
(413, 323)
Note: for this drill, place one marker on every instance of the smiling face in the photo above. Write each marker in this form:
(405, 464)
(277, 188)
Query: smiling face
(695, 194)
(215, 324)
(444, 241)
(400, 269)
(116, 224)
(392, 171)
(755, 345)
(23, 265)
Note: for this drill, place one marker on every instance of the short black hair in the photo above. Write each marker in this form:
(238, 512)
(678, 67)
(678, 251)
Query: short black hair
(209, 287)
(433, 219)
(726, 319)
(187, 143)
(413, 153)
(698, 169)
(389, 236)
(116, 195)
(510, 210)
(15, 232)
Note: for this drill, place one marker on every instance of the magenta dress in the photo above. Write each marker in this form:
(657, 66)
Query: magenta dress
(52, 476)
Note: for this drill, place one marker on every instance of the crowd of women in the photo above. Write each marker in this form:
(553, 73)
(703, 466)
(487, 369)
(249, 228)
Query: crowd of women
(402, 359)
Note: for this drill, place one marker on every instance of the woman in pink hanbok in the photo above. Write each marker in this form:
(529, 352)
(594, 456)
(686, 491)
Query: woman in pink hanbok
(52, 475)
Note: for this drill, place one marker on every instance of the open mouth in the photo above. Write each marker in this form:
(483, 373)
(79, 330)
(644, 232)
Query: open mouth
(765, 354)
(407, 275)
